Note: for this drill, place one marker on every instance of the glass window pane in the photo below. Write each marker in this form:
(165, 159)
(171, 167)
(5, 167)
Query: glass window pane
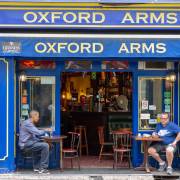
(31, 64)
(156, 65)
(78, 65)
(38, 93)
(115, 65)
(155, 97)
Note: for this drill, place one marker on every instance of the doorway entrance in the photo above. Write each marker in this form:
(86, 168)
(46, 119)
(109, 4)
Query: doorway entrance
(95, 100)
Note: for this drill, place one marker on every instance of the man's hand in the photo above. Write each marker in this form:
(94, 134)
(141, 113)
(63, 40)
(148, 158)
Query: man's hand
(174, 143)
(155, 135)
(47, 129)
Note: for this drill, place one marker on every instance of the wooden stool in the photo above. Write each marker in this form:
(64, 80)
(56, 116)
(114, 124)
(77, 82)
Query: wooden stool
(82, 131)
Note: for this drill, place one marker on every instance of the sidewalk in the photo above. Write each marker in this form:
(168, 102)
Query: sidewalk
(87, 174)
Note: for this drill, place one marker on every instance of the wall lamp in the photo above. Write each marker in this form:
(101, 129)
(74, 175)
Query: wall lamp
(23, 77)
(171, 77)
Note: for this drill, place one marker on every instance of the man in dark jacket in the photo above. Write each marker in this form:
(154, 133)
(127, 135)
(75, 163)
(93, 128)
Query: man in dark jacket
(29, 139)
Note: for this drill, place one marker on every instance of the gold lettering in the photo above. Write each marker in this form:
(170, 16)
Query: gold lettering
(30, 17)
(124, 48)
(96, 46)
(161, 48)
(61, 46)
(51, 47)
(55, 15)
(42, 46)
(154, 18)
(95, 19)
(147, 48)
(128, 17)
(172, 18)
(70, 47)
(136, 47)
(43, 16)
(69, 17)
(84, 16)
(141, 16)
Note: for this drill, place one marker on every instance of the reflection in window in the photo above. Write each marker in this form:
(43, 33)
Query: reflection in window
(38, 93)
(79, 65)
(31, 64)
(115, 65)
(155, 97)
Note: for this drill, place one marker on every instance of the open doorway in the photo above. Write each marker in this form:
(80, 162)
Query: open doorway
(93, 100)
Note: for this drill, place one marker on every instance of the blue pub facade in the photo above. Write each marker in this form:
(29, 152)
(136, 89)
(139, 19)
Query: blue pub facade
(146, 36)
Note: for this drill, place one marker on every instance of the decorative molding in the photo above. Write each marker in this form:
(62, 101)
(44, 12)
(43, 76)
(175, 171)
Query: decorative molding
(7, 109)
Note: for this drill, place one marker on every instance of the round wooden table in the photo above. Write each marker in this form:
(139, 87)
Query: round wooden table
(57, 139)
(145, 141)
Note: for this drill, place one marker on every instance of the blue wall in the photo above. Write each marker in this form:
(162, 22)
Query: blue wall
(7, 115)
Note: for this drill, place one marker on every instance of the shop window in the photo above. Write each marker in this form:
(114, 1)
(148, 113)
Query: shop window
(38, 93)
(155, 96)
(31, 64)
(150, 65)
(115, 65)
(78, 65)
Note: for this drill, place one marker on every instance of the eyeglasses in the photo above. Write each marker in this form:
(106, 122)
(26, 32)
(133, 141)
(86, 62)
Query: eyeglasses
(164, 118)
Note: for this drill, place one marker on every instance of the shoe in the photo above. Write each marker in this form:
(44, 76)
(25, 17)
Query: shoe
(44, 171)
(162, 167)
(169, 170)
(36, 170)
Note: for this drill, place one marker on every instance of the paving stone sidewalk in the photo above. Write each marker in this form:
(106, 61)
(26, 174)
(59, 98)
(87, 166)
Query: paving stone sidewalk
(86, 174)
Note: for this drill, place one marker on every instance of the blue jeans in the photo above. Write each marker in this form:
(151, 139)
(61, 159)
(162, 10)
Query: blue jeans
(40, 152)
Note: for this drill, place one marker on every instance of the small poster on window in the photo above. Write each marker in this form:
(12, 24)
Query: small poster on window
(167, 94)
(152, 107)
(24, 113)
(167, 101)
(144, 104)
(167, 108)
(152, 121)
(25, 106)
(145, 116)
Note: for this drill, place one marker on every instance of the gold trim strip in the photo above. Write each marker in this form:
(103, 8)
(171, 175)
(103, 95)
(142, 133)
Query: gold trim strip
(91, 8)
(89, 4)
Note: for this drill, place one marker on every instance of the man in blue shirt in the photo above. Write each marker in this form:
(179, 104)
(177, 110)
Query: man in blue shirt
(29, 139)
(170, 133)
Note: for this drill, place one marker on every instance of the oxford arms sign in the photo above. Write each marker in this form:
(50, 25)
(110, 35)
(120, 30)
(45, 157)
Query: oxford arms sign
(91, 18)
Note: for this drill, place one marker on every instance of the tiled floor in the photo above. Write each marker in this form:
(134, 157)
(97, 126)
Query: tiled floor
(93, 162)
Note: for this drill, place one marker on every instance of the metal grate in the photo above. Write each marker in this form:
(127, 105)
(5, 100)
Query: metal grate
(95, 178)
(166, 177)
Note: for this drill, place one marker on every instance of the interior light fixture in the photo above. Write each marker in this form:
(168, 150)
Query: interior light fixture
(23, 77)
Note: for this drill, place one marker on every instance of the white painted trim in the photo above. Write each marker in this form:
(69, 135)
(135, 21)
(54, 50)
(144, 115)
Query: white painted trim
(7, 109)
(90, 26)
(93, 36)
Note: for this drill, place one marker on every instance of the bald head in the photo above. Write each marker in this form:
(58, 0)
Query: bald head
(34, 115)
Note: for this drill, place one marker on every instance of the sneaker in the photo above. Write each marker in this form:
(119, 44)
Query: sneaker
(44, 171)
(169, 170)
(36, 170)
(162, 167)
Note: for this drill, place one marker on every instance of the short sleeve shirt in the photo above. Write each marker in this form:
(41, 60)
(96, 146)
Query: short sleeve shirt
(167, 133)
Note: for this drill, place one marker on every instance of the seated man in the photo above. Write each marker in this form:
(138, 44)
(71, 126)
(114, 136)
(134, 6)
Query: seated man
(170, 133)
(29, 139)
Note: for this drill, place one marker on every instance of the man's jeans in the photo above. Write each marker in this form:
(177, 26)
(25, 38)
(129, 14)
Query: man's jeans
(40, 152)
